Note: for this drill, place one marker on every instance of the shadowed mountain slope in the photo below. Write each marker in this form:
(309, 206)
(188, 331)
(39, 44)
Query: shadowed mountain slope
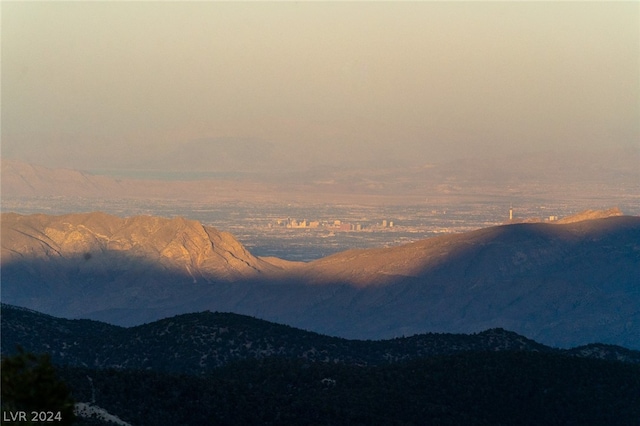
(76, 264)
(562, 285)
(494, 253)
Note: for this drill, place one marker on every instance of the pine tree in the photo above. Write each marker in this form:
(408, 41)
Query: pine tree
(30, 384)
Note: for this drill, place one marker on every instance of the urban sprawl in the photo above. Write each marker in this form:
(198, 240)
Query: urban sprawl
(335, 225)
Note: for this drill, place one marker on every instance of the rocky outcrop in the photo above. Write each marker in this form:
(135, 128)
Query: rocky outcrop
(96, 240)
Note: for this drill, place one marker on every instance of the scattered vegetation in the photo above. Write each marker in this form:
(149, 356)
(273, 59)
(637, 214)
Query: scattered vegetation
(198, 343)
(227, 369)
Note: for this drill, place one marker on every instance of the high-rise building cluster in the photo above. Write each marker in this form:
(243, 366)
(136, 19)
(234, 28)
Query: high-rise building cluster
(334, 225)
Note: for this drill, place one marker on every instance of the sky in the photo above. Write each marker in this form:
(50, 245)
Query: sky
(208, 85)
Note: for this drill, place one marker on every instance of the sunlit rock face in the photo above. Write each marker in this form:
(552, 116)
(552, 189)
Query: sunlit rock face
(561, 284)
(97, 240)
(79, 264)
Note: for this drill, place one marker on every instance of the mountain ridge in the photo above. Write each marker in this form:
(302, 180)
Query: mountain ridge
(584, 176)
(270, 373)
(195, 343)
(561, 284)
(184, 244)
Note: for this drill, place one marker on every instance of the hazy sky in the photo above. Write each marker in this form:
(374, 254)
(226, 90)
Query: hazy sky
(136, 84)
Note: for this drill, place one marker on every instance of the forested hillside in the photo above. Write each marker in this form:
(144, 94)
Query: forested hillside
(487, 388)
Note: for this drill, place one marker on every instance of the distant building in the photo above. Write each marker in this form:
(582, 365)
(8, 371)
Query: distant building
(295, 224)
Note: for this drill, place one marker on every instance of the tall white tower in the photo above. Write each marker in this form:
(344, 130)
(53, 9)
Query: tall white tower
(511, 212)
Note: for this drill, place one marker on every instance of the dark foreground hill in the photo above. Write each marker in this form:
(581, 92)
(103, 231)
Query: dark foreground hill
(228, 369)
(562, 285)
(200, 342)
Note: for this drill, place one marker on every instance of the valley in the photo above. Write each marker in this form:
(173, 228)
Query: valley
(560, 284)
(310, 306)
(256, 225)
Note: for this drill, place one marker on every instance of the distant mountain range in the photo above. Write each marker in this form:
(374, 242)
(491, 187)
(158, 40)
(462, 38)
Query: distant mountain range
(20, 179)
(561, 284)
(245, 170)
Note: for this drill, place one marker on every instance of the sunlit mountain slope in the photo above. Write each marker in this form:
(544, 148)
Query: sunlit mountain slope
(562, 285)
